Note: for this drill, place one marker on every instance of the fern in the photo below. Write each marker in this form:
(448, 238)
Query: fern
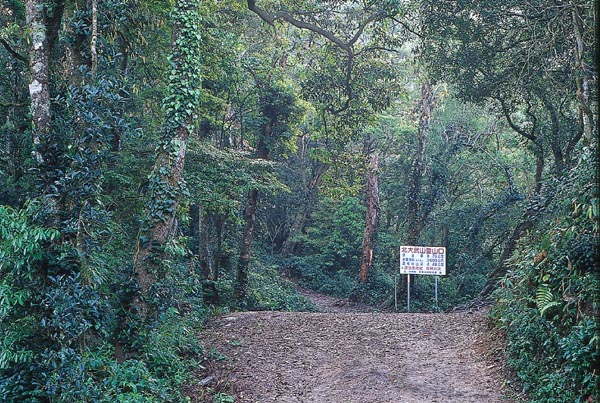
(544, 299)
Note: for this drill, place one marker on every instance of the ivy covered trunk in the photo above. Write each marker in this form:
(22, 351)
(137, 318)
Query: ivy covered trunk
(371, 219)
(165, 182)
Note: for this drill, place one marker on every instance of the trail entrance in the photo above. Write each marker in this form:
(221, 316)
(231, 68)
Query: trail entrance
(355, 357)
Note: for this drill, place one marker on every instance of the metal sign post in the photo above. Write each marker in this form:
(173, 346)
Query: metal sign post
(436, 293)
(408, 293)
(395, 292)
(427, 260)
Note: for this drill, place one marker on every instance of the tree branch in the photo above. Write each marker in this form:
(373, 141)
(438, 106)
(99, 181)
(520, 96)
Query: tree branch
(412, 31)
(13, 52)
(347, 86)
(287, 17)
(12, 104)
(330, 36)
(373, 48)
(378, 15)
(576, 137)
(512, 125)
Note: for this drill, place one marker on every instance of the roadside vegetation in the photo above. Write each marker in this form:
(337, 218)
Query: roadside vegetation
(162, 162)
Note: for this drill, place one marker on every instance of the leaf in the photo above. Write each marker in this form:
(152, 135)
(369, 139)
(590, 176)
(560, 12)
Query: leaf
(544, 299)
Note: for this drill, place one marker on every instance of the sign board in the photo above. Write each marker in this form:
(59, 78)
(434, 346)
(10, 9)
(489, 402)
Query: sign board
(429, 260)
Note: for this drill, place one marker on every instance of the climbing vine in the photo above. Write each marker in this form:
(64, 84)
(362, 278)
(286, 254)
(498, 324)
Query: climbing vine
(165, 184)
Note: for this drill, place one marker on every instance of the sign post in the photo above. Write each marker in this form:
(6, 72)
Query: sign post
(395, 292)
(408, 293)
(426, 260)
(436, 298)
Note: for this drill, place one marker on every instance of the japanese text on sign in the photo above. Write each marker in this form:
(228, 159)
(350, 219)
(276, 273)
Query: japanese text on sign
(423, 260)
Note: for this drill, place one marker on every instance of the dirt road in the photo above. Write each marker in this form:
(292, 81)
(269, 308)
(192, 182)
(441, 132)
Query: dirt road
(352, 357)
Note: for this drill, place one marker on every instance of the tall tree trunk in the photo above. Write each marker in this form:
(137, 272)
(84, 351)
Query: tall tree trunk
(43, 19)
(555, 141)
(39, 88)
(415, 214)
(241, 285)
(539, 167)
(165, 189)
(371, 219)
(221, 260)
(94, 38)
(199, 245)
(583, 82)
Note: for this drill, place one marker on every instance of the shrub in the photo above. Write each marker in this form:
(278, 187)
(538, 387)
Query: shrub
(548, 302)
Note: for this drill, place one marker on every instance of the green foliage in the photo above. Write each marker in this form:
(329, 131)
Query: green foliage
(267, 290)
(68, 227)
(223, 398)
(332, 247)
(172, 348)
(548, 302)
(336, 235)
(22, 251)
(42, 332)
(471, 190)
(376, 290)
(217, 178)
(101, 378)
(544, 299)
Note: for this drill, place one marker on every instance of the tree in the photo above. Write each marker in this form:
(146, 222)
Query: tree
(523, 57)
(371, 218)
(165, 182)
(417, 209)
(279, 110)
(44, 21)
(345, 27)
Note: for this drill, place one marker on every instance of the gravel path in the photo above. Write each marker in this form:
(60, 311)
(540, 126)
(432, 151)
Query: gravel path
(354, 357)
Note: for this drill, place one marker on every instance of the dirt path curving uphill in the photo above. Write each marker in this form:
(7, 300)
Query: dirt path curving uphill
(327, 303)
(350, 357)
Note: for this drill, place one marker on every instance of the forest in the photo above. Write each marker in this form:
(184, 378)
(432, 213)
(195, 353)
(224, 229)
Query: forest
(165, 162)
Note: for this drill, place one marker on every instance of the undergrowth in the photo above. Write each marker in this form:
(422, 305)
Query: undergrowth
(548, 303)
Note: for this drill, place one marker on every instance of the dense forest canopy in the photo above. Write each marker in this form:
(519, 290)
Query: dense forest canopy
(164, 161)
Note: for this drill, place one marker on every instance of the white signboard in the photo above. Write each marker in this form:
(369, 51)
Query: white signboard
(429, 260)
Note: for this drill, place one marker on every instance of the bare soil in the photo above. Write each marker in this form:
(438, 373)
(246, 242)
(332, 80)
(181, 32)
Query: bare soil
(343, 355)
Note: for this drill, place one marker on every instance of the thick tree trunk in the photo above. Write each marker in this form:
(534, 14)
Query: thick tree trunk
(39, 88)
(371, 219)
(165, 189)
(416, 214)
(165, 194)
(241, 286)
(43, 20)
